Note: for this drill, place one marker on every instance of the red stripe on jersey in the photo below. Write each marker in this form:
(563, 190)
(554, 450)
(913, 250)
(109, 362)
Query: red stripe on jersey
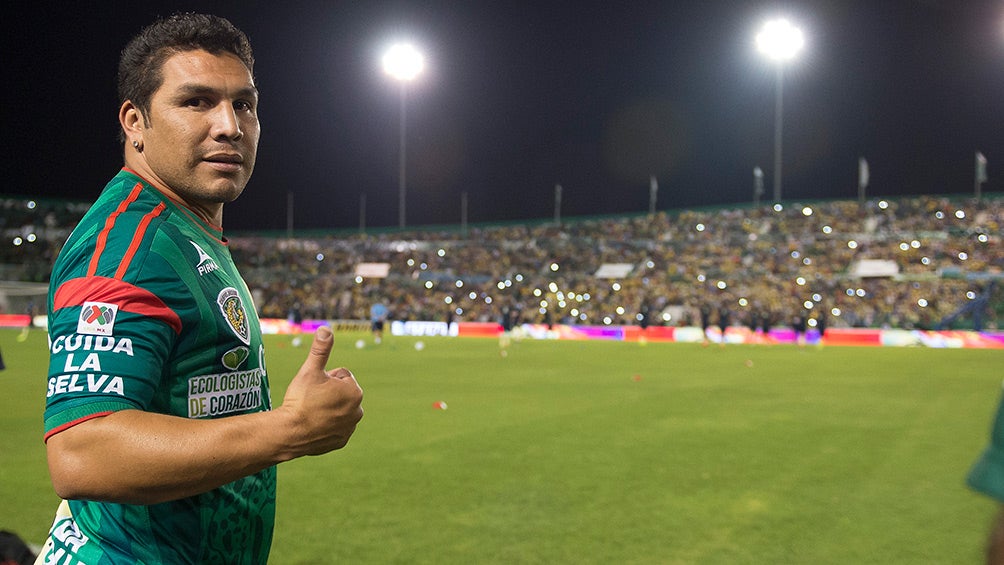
(214, 231)
(109, 223)
(138, 238)
(69, 425)
(127, 297)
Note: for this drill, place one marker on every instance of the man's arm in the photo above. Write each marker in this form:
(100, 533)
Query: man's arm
(995, 542)
(140, 457)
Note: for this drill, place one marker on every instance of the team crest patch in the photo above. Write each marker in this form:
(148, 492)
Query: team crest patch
(233, 312)
(97, 318)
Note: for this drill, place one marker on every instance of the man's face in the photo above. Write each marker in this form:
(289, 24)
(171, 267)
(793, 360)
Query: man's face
(200, 137)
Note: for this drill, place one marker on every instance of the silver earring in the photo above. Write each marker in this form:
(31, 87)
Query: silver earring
(135, 145)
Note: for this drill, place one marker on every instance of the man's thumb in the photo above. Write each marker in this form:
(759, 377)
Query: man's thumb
(320, 349)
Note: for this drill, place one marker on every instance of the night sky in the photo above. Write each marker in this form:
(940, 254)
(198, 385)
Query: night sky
(520, 96)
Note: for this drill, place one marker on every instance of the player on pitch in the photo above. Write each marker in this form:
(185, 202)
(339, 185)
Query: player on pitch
(159, 428)
(987, 477)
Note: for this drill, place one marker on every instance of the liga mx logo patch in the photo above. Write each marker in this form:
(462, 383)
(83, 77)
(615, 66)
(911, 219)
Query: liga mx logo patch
(233, 312)
(97, 318)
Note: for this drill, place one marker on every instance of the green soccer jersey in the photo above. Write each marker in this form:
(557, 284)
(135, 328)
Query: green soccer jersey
(147, 311)
(987, 474)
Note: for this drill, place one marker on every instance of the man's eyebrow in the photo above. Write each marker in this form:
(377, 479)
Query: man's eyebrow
(201, 89)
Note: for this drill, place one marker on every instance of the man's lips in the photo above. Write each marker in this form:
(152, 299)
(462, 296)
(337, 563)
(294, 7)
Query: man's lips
(228, 162)
(224, 158)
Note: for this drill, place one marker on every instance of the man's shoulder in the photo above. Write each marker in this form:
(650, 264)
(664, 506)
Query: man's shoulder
(115, 236)
(121, 204)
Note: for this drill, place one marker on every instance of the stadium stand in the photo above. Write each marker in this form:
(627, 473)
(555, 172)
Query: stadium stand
(757, 263)
(926, 262)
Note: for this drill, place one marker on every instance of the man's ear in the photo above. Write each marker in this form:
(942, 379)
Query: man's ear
(132, 122)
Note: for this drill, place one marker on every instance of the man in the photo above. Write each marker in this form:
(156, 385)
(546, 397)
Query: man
(987, 477)
(723, 323)
(159, 428)
(378, 317)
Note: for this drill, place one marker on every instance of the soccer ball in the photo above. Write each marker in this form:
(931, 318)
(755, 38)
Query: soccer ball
(360, 344)
(419, 345)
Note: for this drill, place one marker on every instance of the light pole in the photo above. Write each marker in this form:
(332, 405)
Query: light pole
(404, 63)
(780, 41)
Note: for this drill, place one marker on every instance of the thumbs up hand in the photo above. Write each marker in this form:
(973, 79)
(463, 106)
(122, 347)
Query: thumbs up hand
(323, 406)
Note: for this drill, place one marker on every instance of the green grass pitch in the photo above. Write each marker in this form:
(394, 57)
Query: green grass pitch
(607, 452)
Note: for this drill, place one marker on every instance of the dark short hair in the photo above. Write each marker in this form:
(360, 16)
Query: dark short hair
(143, 58)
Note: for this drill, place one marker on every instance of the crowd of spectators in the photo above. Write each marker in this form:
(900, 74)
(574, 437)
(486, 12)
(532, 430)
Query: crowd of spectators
(764, 266)
(33, 232)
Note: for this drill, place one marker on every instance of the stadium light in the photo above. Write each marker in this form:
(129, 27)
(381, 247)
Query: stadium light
(404, 63)
(780, 41)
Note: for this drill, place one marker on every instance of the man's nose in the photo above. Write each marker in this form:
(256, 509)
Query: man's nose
(226, 124)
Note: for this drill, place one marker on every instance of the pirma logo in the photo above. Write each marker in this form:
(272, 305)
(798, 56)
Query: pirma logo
(97, 318)
(206, 263)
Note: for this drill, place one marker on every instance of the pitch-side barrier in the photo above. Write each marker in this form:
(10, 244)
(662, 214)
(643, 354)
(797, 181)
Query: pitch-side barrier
(861, 337)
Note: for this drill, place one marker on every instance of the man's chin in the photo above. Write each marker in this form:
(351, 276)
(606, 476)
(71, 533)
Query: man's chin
(225, 191)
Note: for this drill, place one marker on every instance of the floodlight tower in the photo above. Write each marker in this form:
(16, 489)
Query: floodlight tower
(780, 41)
(404, 63)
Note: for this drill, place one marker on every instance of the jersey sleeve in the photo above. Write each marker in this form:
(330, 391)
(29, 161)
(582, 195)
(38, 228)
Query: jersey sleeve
(108, 342)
